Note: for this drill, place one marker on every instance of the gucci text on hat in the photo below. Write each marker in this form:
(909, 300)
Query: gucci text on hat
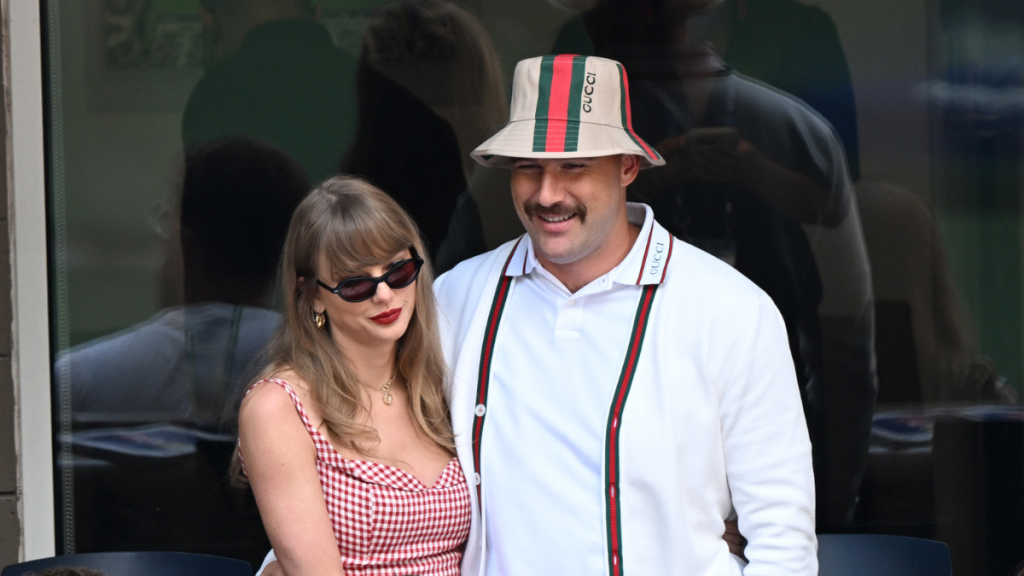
(567, 106)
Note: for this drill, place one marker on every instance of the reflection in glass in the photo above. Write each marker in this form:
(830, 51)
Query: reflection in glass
(275, 75)
(157, 403)
(429, 92)
(892, 250)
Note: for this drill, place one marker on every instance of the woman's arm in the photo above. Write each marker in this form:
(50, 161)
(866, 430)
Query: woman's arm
(280, 462)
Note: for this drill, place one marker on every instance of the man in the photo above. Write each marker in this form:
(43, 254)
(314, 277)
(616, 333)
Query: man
(617, 395)
(275, 75)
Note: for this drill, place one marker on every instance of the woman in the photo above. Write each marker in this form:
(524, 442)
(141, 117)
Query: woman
(351, 408)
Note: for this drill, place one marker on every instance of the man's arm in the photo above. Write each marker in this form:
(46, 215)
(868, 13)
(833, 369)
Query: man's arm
(767, 450)
(270, 567)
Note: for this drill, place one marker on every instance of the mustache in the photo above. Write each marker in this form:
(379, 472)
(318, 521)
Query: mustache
(532, 208)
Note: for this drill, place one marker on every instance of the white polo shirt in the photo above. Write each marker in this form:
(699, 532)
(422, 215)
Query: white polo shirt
(552, 380)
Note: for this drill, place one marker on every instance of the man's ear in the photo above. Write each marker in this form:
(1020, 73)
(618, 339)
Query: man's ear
(630, 169)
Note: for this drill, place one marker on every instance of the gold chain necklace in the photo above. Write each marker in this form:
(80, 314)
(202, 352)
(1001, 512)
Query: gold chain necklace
(388, 398)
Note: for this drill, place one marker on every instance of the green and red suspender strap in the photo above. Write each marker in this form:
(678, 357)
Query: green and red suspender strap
(611, 453)
(486, 355)
(640, 323)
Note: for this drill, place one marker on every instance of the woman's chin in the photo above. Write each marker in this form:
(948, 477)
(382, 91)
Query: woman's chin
(388, 334)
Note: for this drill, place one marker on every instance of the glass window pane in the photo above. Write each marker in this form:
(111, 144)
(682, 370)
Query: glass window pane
(861, 165)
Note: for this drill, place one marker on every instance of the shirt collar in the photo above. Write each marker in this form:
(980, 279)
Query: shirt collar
(646, 262)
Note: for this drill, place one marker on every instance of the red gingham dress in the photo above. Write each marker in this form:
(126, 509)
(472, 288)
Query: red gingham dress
(386, 522)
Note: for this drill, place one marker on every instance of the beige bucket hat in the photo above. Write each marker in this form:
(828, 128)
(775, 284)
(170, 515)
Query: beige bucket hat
(567, 106)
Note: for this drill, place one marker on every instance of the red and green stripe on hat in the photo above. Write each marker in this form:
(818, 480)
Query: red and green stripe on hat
(566, 106)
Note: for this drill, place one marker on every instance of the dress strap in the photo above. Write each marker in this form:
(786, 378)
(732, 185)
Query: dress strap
(295, 400)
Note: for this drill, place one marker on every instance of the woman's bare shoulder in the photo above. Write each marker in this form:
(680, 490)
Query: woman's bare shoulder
(267, 399)
(271, 429)
(275, 379)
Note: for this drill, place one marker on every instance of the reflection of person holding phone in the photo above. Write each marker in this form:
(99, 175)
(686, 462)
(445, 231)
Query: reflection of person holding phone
(789, 44)
(748, 166)
(739, 153)
(720, 154)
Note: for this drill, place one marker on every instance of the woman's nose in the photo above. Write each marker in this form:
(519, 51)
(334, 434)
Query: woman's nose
(384, 293)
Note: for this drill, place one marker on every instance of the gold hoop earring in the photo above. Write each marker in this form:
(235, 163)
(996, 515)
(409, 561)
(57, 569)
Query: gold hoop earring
(319, 318)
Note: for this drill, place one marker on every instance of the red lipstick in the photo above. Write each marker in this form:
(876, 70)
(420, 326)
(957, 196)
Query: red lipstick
(387, 317)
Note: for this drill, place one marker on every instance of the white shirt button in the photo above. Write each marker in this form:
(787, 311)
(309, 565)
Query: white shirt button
(480, 409)
(476, 478)
(570, 303)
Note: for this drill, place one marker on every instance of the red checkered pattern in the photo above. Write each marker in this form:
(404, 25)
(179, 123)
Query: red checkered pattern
(386, 522)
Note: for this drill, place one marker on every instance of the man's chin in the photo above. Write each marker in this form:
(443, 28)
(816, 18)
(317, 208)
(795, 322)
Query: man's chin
(556, 254)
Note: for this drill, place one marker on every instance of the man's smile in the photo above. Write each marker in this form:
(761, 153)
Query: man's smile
(556, 219)
(556, 214)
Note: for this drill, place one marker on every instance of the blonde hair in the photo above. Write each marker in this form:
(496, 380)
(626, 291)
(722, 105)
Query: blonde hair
(351, 225)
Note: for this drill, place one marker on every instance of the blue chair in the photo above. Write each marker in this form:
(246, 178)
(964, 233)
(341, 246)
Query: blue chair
(138, 563)
(879, 555)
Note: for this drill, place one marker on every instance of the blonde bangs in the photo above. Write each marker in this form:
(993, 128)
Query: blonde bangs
(362, 236)
(351, 226)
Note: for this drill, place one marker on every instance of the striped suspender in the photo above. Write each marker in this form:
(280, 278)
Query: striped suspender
(497, 307)
(643, 312)
(611, 465)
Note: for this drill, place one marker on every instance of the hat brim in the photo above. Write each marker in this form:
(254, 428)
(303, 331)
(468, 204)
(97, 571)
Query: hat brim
(516, 140)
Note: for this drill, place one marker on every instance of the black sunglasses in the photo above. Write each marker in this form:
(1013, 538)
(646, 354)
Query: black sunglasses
(362, 288)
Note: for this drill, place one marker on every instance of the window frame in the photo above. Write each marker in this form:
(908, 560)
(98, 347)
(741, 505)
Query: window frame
(30, 357)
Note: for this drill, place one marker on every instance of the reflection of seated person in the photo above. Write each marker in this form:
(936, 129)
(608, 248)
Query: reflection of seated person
(277, 77)
(184, 363)
(927, 351)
